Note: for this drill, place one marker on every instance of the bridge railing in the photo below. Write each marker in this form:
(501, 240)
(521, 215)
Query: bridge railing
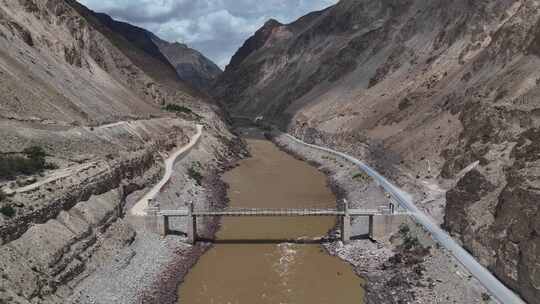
(272, 212)
(345, 215)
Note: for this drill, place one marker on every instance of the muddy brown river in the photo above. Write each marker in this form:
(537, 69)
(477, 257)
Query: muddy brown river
(250, 264)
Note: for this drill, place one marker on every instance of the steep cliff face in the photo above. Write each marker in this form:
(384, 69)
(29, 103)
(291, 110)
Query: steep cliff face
(170, 63)
(137, 44)
(48, 44)
(421, 89)
(192, 66)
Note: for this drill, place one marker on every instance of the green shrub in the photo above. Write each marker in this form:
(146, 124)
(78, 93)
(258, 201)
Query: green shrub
(486, 297)
(180, 110)
(361, 176)
(177, 108)
(7, 211)
(195, 173)
(35, 152)
(32, 162)
(404, 230)
(411, 242)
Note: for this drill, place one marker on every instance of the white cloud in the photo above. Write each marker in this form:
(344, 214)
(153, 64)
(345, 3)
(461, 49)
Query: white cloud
(217, 28)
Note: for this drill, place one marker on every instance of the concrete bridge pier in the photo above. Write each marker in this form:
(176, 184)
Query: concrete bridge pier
(164, 225)
(380, 220)
(371, 233)
(346, 225)
(191, 229)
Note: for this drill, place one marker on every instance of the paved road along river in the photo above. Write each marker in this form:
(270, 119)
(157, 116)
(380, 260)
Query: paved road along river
(496, 287)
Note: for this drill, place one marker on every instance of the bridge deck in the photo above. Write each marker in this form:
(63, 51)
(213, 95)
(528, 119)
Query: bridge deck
(271, 212)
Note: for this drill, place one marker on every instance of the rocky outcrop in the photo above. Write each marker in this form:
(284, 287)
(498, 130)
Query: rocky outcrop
(421, 89)
(500, 225)
(67, 224)
(44, 261)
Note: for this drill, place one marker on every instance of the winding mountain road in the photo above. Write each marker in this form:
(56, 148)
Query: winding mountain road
(139, 209)
(486, 278)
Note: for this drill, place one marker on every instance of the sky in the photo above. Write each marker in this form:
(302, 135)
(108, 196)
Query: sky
(217, 28)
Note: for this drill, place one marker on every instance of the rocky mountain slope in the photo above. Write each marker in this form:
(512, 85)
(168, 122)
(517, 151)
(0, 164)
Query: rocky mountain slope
(82, 125)
(191, 65)
(439, 95)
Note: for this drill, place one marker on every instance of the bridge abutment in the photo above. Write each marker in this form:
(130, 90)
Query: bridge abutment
(385, 225)
(152, 219)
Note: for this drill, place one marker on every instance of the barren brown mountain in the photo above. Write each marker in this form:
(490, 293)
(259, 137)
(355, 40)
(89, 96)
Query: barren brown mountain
(89, 109)
(439, 95)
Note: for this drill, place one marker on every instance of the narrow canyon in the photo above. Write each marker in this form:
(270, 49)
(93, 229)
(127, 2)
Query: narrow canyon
(376, 152)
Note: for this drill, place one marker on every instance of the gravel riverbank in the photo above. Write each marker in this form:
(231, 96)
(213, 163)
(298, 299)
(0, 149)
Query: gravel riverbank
(407, 266)
(150, 269)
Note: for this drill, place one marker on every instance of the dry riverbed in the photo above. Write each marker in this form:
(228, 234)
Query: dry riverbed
(398, 269)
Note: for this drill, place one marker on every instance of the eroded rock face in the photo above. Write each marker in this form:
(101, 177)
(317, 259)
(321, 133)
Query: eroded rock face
(505, 239)
(468, 191)
(517, 218)
(49, 256)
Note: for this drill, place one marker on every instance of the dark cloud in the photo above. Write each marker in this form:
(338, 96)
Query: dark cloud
(217, 28)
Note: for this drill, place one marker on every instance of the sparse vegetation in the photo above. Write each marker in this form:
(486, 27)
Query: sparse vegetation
(177, 108)
(363, 176)
(328, 158)
(410, 254)
(410, 242)
(486, 297)
(31, 161)
(180, 110)
(404, 104)
(8, 211)
(404, 230)
(195, 173)
(3, 195)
